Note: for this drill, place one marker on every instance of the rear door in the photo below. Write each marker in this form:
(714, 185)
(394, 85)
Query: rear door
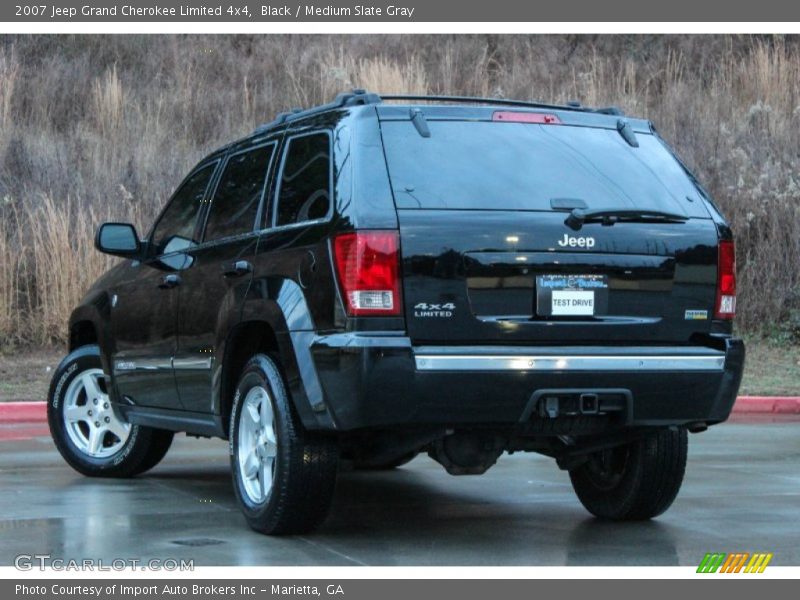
(489, 258)
(216, 282)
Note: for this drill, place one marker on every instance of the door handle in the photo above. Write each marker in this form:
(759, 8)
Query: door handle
(237, 268)
(169, 281)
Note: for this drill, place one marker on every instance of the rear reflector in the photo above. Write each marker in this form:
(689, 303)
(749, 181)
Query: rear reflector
(367, 263)
(726, 281)
(510, 116)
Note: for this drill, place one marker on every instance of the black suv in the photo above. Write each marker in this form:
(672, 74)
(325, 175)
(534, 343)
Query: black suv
(379, 277)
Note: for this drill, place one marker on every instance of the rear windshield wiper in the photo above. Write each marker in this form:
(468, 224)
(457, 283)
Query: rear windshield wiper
(608, 216)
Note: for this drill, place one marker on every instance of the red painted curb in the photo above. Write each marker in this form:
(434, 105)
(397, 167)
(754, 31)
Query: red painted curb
(36, 412)
(785, 405)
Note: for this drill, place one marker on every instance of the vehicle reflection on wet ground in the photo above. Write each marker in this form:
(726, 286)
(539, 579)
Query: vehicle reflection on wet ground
(741, 493)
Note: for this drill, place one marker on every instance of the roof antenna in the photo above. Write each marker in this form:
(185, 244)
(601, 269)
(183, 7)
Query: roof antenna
(421, 125)
(627, 133)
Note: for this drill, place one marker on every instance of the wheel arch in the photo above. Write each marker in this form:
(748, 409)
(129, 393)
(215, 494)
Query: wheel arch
(82, 333)
(264, 327)
(243, 341)
(87, 326)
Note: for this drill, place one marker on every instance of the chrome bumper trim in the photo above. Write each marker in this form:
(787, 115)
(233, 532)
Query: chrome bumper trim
(499, 362)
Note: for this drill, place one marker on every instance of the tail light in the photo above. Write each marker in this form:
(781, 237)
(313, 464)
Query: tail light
(726, 281)
(367, 263)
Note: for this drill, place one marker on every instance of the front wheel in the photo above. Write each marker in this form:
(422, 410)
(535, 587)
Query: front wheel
(636, 481)
(283, 475)
(86, 429)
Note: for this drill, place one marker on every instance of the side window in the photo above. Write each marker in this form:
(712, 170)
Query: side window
(233, 210)
(175, 229)
(305, 182)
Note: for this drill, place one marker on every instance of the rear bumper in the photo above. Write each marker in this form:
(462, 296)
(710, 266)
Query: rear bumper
(376, 381)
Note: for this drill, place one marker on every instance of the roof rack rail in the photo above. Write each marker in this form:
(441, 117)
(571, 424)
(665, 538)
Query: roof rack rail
(353, 98)
(475, 100)
(615, 111)
(362, 97)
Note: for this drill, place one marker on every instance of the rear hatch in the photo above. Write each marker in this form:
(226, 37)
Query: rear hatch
(493, 254)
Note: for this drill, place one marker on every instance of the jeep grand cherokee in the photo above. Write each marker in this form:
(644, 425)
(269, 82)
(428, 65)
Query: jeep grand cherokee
(376, 278)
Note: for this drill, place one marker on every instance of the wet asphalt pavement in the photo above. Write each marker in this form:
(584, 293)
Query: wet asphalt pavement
(741, 494)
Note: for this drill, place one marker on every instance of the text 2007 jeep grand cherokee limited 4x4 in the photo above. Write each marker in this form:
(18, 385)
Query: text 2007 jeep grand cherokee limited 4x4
(379, 277)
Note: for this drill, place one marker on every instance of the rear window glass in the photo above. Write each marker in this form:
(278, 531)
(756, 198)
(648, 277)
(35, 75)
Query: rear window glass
(305, 181)
(521, 166)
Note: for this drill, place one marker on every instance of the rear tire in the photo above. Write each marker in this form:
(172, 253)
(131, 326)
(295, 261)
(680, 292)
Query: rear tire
(87, 432)
(283, 475)
(636, 481)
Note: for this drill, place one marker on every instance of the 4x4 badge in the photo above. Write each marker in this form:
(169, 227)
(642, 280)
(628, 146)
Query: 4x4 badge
(426, 310)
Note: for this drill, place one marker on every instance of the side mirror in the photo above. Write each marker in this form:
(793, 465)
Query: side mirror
(119, 239)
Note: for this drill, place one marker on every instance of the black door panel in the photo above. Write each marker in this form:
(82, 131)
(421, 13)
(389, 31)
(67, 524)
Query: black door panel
(144, 314)
(143, 322)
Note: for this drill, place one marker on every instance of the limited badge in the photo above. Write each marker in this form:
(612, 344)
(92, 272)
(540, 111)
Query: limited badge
(425, 310)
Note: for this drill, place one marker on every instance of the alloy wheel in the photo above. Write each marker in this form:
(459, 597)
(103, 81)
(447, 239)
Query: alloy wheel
(90, 421)
(258, 445)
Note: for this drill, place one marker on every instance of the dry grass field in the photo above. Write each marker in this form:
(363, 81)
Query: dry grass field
(102, 127)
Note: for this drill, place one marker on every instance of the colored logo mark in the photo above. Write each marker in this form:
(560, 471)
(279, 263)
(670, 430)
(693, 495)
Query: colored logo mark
(736, 562)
